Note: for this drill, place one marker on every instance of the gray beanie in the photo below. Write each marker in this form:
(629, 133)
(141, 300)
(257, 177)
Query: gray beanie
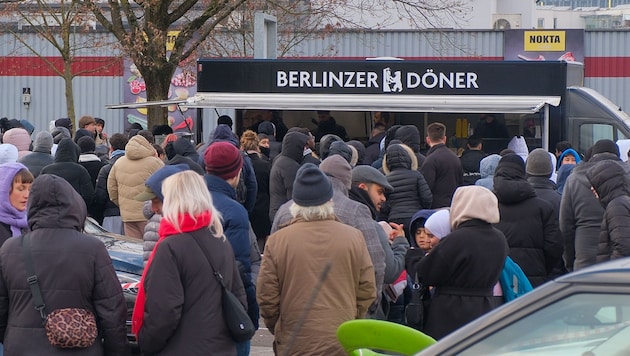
(60, 133)
(43, 142)
(337, 167)
(311, 186)
(539, 164)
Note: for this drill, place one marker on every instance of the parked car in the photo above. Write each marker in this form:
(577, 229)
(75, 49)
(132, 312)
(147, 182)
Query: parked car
(583, 313)
(126, 255)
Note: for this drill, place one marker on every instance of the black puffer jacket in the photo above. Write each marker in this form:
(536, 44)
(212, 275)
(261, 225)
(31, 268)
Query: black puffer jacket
(410, 136)
(527, 222)
(74, 271)
(609, 180)
(284, 169)
(411, 192)
(581, 215)
(67, 167)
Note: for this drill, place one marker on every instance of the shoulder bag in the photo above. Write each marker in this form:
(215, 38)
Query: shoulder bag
(414, 311)
(237, 320)
(66, 328)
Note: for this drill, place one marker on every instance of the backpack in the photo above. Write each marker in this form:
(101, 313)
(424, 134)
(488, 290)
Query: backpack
(513, 281)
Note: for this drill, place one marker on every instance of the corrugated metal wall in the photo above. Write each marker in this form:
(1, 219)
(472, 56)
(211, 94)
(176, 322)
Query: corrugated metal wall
(93, 93)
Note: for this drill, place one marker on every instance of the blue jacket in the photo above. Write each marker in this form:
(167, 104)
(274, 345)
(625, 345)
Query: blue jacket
(236, 230)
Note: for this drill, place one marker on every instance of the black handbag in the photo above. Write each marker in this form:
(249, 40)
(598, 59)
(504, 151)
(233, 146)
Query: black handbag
(237, 320)
(414, 311)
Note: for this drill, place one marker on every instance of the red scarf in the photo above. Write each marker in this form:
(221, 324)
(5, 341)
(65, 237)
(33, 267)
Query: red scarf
(186, 224)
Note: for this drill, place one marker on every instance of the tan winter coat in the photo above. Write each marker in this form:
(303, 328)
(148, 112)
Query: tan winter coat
(294, 259)
(127, 177)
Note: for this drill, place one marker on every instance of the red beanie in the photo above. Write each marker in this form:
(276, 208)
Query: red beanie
(223, 160)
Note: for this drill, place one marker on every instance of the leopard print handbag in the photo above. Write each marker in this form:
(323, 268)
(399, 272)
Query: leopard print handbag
(71, 328)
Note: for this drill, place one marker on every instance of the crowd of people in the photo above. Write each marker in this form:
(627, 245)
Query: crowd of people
(307, 229)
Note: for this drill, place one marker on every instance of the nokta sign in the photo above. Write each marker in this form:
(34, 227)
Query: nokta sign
(382, 77)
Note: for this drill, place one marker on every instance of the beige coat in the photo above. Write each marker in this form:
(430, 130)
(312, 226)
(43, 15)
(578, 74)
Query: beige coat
(127, 177)
(291, 267)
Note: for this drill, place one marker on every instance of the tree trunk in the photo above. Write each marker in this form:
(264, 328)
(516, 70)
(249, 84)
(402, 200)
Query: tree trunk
(67, 78)
(157, 83)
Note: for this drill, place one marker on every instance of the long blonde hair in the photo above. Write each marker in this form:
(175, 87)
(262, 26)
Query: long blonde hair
(185, 193)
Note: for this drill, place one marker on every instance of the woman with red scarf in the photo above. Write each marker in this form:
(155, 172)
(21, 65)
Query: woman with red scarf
(178, 309)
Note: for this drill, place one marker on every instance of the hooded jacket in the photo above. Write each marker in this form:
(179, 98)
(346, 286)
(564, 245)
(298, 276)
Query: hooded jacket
(284, 169)
(609, 180)
(184, 147)
(73, 269)
(67, 167)
(528, 222)
(581, 215)
(466, 264)
(41, 156)
(411, 192)
(127, 176)
(269, 129)
(410, 136)
(325, 143)
(487, 166)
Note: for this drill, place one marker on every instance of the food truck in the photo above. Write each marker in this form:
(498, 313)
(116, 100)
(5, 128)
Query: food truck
(544, 101)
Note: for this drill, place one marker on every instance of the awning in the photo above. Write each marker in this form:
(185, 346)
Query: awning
(374, 102)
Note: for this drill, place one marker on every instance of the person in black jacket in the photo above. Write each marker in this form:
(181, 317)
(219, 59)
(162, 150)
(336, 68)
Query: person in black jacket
(411, 192)
(73, 270)
(327, 124)
(262, 168)
(471, 158)
(608, 180)
(179, 311)
(539, 168)
(41, 156)
(466, 264)
(373, 146)
(527, 221)
(442, 169)
(112, 221)
(284, 169)
(67, 167)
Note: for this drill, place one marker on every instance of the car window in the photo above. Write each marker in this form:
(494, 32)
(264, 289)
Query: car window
(581, 324)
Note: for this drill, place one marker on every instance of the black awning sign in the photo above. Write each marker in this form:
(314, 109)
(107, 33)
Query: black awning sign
(378, 77)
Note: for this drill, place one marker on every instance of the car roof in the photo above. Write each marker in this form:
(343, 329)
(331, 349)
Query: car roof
(612, 272)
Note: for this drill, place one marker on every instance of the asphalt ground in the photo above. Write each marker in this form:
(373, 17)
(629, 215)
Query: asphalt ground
(262, 343)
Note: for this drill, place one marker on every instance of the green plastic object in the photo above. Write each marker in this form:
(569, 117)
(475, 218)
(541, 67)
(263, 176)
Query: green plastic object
(362, 337)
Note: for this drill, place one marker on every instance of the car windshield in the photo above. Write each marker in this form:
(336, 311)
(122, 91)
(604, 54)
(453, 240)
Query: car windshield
(581, 324)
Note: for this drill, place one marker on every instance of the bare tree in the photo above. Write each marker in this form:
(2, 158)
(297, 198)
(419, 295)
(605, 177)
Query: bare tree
(68, 28)
(300, 20)
(142, 29)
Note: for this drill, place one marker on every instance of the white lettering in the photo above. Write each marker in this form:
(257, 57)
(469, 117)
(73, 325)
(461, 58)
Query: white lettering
(429, 79)
(460, 80)
(446, 79)
(471, 80)
(349, 83)
(304, 79)
(336, 78)
(413, 80)
(281, 79)
(360, 79)
(372, 80)
(293, 78)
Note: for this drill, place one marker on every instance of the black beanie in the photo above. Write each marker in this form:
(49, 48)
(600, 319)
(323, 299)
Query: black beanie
(605, 145)
(311, 186)
(86, 144)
